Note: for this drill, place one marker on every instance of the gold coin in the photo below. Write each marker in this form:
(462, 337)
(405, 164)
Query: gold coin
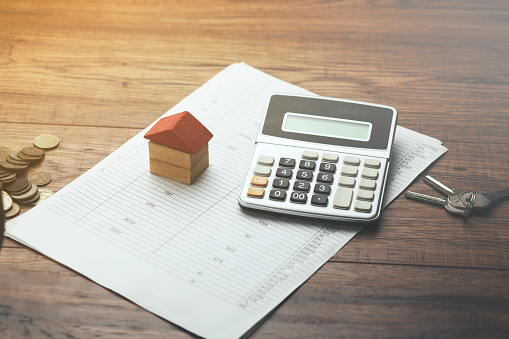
(5, 173)
(26, 196)
(11, 167)
(25, 157)
(13, 211)
(33, 151)
(18, 185)
(44, 194)
(13, 159)
(6, 201)
(4, 153)
(33, 199)
(8, 178)
(39, 178)
(46, 141)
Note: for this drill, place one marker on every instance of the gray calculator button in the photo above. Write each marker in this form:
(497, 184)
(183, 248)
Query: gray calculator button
(322, 189)
(324, 177)
(277, 195)
(287, 162)
(307, 164)
(319, 200)
(301, 186)
(327, 167)
(284, 172)
(305, 175)
(299, 197)
(281, 183)
(343, 197)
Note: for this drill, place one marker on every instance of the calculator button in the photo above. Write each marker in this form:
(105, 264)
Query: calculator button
(319, 199)
(349, 170)
(301, 186)
(256, 192)
(262, 170)
(306, 164)
(343, 197)
(372, 163)
(277, 195)
(324, 177)
(299, 197)
(304, 175)
(365, 195)
(322, 188)
(281, 183)
(351, 160)
(287, 162)
(330, 157)
(266, 159)
(346, 181)
(259, 181)
(284, 172)
(362, 206)
(327, 167)
(367, 184)
(310, 154)
(369, 173)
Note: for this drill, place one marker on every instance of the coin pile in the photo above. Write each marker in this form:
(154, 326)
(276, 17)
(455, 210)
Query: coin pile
(24, 190)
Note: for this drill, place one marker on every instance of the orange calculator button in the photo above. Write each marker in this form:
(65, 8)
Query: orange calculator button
(255, 192)
(259, 181)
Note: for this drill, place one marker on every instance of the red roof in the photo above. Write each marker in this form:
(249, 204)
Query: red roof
(181, 131)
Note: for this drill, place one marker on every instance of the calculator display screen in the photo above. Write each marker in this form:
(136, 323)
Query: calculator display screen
(326, 126)
(326, 121)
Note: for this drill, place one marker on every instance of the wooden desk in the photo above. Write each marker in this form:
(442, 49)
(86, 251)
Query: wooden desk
(97, 72)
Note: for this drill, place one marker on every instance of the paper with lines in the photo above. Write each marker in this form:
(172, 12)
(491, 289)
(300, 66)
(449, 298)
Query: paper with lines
(190, 254)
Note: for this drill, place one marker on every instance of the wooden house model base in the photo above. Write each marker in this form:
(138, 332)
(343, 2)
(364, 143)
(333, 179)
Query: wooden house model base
(177, 165)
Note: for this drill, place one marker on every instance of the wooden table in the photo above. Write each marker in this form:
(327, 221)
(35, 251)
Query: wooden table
(96, 72)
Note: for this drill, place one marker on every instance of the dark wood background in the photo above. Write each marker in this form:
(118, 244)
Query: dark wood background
(96, 72)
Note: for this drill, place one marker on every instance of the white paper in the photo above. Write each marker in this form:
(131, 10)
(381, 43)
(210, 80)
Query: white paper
(190, 254)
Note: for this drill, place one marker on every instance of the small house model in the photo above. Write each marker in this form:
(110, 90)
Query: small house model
(178, 147)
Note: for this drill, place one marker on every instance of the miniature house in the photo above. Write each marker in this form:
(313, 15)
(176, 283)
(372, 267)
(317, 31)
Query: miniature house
(178, 147)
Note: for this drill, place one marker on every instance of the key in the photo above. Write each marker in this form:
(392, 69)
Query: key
(484, 200)
(437, 201)
(454, 196)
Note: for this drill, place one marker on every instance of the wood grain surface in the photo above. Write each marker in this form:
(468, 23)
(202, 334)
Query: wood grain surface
(95, 73)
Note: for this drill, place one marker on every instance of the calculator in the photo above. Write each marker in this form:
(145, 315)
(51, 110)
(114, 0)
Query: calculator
(320, 157)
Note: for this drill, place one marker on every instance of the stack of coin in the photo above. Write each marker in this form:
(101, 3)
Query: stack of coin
(10, 208)
(24, 190)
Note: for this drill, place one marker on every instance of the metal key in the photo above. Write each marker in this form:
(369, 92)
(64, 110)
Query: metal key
(446, 203)
(454, 196)
(453, 203)
(484, 200)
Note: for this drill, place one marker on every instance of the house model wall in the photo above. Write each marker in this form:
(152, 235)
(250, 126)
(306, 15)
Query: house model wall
(178, 147)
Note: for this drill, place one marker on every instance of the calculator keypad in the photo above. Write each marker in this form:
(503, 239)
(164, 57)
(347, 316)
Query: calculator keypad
(338, 183)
